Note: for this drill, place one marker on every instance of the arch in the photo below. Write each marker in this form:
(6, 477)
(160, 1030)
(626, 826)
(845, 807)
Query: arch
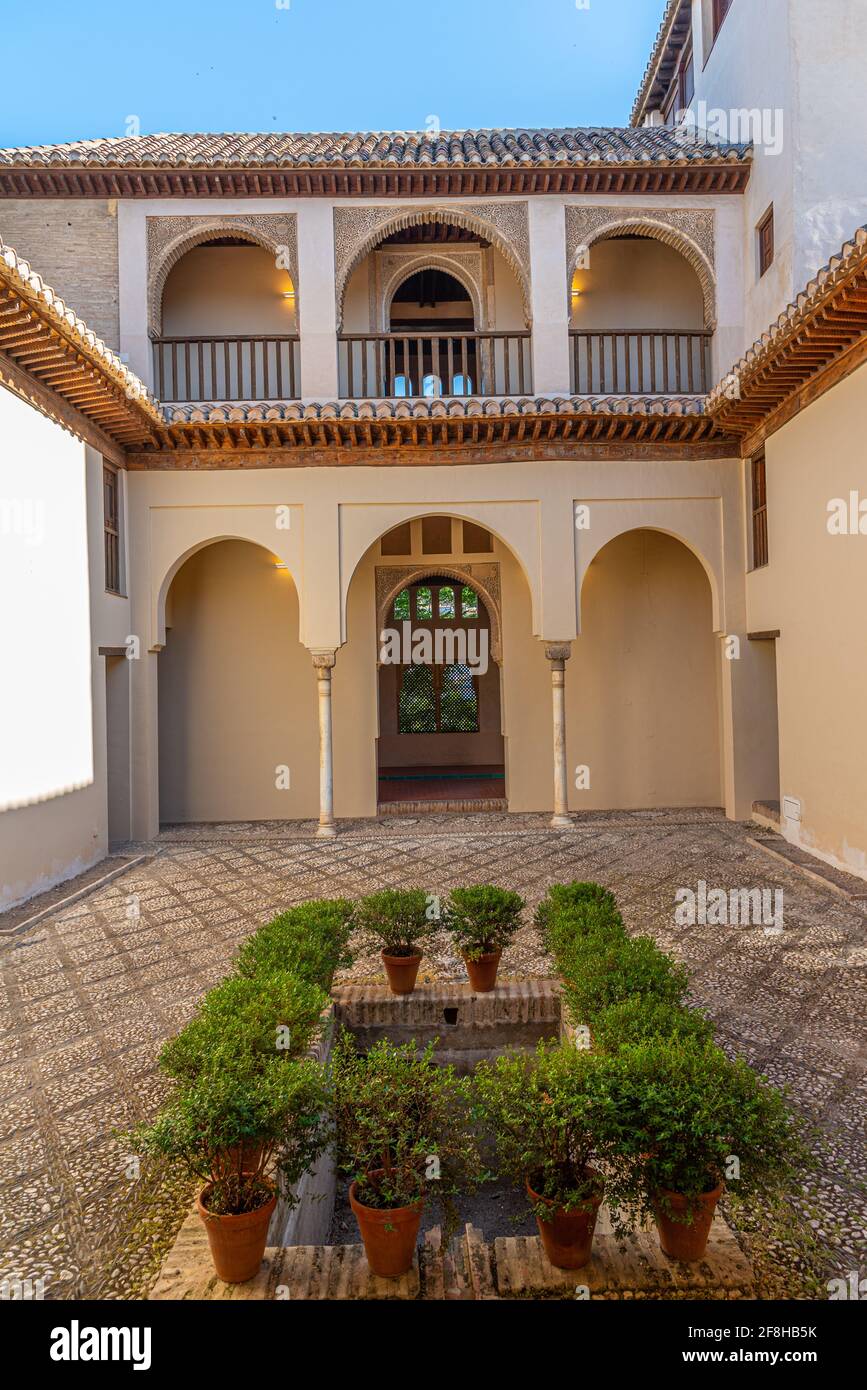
(691, 546)
(432, 262)
(455, 217)
(162, 591)
(362, 529)
(671, 236)
(461, 574)
(169, 255)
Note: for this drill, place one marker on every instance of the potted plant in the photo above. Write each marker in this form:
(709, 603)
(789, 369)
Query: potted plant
(554, 1117)
(482, 920)
(405, 1139)
(397, 921)
(207, 1125)
(698, 1122)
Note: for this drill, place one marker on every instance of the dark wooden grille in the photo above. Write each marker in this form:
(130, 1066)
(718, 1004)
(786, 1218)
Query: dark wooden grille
(111, 523)
(760, 512)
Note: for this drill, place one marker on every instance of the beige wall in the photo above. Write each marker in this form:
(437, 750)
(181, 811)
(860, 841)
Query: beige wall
(237, 694)
(642, 685)
(222, 290)
(814, 590)
(72, 244)
(637, 283)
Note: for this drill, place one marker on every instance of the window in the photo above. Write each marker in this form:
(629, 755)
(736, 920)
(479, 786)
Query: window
(459, 703)
(438, 700)
(111, 524)
(686, 79)
(765, 233)
(720, 10)
(417, 713)
(469, 603)
(760, 511)
(401, 607)
(424, 605)
(447, 603)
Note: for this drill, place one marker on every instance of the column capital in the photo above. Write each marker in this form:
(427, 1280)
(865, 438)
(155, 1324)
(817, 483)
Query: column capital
(324, 660)
(558, 651)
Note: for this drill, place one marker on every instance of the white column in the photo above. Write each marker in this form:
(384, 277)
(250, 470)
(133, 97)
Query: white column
(558, 653)
(317, 322)
(549, 297)
(323, 663)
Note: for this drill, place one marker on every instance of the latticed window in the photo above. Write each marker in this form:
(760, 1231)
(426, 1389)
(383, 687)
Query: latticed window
(760, 511)
(417, 711)
(459, 703)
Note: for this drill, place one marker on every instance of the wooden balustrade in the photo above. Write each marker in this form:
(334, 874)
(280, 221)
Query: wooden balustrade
(665, 363)
(373, 365)
(237, 368)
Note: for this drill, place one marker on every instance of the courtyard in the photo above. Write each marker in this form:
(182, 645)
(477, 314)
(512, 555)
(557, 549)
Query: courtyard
(93, 988)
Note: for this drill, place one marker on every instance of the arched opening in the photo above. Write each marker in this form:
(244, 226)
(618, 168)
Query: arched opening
(440, 729)
(229, 325)
(643, 698)
(639, 320)
(238, 725)
(432, 309)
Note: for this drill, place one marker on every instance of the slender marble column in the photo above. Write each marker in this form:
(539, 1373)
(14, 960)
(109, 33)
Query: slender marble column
(558, 653)
(323, 663)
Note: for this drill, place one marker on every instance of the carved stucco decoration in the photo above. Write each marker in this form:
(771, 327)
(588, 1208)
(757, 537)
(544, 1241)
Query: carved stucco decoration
(484, 578)
(358, 230)
(465, 266)
(170, 238)
(691, 231)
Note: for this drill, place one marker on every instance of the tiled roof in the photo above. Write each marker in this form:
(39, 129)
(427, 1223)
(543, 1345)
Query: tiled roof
(51, 341)
(485, 408)
(675, 21)
(500, 149)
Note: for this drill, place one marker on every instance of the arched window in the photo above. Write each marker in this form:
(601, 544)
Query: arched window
(402, 386)
(462, 385)
(432, 385)
(401, 606)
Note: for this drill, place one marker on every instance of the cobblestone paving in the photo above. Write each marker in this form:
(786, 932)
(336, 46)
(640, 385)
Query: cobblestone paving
(90, 992)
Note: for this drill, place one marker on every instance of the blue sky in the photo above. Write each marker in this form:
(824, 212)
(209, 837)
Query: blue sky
(78, 71)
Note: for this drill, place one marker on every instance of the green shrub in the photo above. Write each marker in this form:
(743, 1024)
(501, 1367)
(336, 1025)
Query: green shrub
(642, 1018)
(602, 970)
(563, 897)
(257, 1018)
(553, 1116)
(395, 920)
(311, 940)
(482, 919)
(237, 1131)
(694, 1119)
(404, 1126)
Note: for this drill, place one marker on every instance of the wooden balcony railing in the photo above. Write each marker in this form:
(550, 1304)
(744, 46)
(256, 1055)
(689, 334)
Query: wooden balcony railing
(666, 363)
(434, 364)
(227, 369)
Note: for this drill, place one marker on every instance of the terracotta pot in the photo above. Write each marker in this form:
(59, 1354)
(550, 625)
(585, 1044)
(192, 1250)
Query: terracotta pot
(401, 971)
(237, 1242)
(483, 971)
(677, 1239)
(567, 1236)
(390, 1235)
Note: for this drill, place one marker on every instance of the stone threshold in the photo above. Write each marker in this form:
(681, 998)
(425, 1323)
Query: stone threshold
(467, 1269)
(848, 885)
(454, 806)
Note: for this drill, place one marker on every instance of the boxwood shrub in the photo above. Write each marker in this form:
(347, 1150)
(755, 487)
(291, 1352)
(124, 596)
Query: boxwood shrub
(311, 940)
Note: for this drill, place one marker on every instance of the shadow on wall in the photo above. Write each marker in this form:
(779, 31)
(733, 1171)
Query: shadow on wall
(643, 686)
(237, 696)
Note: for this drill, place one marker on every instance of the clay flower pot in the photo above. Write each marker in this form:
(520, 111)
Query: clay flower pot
(237, 1242)
(483, 971)
(677, 1239)
(567, 1236)
(390, 1235)
(250, 1154)
(401, 971)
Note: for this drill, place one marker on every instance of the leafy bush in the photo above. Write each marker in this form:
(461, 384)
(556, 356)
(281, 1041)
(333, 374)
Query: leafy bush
(254, 1019)
(604, 970)
(643, 1018)
(236, 1130)
(563, 897)
(553, 1116)
(694, 1119)
(404, 1126)
(482, 919)
(396, 920)
(311, 940)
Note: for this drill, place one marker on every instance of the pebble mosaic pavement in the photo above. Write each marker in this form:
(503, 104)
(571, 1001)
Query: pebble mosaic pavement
(90, 992)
